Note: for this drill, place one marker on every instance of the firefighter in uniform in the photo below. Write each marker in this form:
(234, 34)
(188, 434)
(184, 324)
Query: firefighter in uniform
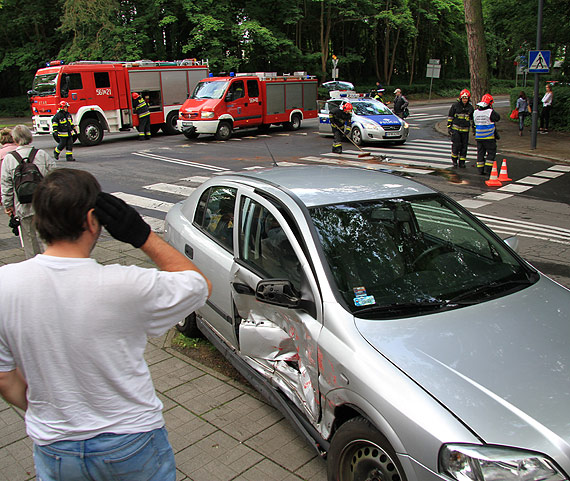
(140, 108)
(338, 118)
(62, 126)
(485, 134)
(459, 122)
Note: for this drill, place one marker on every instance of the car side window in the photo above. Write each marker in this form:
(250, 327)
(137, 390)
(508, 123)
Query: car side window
(215, 214)
(264, 244)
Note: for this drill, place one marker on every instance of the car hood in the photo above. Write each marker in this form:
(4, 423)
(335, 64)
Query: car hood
(502, 366)
(199, 104)
(382, 119)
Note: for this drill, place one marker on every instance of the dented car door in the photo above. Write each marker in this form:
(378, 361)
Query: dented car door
(278, 339)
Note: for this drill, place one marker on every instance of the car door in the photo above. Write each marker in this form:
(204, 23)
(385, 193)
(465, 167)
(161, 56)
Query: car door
(213, 252)
(237, 103)
(279, 342)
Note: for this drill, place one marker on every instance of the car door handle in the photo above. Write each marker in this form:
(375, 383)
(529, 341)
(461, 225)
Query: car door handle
(189, 251)
(243, 288)
(245, 105)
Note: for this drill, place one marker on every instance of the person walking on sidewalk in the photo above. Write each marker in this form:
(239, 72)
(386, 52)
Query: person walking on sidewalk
(12, 205)
(459, 122)
(339, 118)
(140, 108)
(486, 135)
(400, 104)
(63, 128)
(524, 109)
(546, 108)
(8, 145)
(90, 403)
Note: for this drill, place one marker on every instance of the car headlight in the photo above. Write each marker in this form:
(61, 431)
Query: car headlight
(406, 125)
(464, 462)
(369, 125)
(207, 115)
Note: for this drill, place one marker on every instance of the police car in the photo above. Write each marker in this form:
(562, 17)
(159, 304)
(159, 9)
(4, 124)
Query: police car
(372, 121)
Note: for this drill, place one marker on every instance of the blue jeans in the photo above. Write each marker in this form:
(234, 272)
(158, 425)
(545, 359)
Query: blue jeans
(108, 457)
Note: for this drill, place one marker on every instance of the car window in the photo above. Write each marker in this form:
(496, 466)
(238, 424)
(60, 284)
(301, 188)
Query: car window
(370, 108)
(264, 244)
(215, 214)
(414, 251)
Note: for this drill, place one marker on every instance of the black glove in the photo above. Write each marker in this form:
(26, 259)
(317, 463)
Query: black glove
(449, 131)
(122, 221)
(14, 224)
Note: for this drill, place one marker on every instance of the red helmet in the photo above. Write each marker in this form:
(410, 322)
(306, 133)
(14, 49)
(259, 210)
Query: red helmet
(465, 93)
(63, 104)
(347, 107)
(487, 98)
(135, 95)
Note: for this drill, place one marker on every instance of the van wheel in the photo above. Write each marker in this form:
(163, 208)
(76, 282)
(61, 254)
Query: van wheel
(359, 451)
(224, 131)
(169, 127)
(295, 123)
(90, 132)
(191, 135)
(189, 328)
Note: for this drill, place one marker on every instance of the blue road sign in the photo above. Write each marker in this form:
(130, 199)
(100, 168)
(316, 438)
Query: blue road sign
(539, 61)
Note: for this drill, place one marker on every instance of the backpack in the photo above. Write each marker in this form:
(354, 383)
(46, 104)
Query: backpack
(27, 176)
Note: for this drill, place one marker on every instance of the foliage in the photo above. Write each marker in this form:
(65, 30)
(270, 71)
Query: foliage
(387, 40)
(191, 342)
(15, 106)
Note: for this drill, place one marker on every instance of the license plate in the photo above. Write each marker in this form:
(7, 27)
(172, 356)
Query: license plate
(187, 124)
(43, 122)
(392, 134)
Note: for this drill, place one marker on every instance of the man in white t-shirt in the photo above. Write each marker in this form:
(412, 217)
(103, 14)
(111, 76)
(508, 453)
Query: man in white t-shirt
(73, 334)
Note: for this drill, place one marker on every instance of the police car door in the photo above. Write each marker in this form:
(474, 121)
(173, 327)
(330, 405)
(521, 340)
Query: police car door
(278, 339)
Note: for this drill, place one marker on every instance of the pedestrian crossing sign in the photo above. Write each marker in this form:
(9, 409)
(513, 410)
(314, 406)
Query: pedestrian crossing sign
(539, 61)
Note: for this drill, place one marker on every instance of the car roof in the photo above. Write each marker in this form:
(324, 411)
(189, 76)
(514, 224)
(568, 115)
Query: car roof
(324, 185)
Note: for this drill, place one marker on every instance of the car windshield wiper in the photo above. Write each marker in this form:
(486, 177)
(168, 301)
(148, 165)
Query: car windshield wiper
(399, 307)
(495, 287)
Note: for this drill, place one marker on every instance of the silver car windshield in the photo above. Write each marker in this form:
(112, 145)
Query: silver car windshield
(45, 84)
(370, 108)
(210, 90)
(403, 257)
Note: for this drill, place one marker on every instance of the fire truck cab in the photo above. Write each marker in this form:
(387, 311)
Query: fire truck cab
(99, 94)
(219, 105)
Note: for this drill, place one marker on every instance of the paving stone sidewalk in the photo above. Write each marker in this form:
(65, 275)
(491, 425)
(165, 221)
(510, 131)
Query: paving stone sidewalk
(220, 429)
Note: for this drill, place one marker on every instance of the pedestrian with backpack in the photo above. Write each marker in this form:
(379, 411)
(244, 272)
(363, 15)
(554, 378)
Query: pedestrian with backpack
(18, 183)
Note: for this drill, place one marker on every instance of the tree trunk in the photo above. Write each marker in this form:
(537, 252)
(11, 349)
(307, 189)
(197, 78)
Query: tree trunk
(478, 66)
(414, 50)
(325, 35)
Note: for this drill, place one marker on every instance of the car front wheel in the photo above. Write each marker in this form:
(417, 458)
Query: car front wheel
(360, 452)
(90, 132)
(188, 327)
(356, 136)
(224, 131)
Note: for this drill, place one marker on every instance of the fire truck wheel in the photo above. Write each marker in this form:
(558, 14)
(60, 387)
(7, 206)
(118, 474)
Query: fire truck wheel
(295, 123)
(169, 126)
(224, 131)
(154, 128)
(90, 132)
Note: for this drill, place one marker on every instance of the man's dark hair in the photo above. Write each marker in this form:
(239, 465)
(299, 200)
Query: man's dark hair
(61, 203)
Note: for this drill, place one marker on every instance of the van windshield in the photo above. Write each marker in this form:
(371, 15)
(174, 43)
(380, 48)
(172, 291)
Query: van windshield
(210, 89)
(45, 84)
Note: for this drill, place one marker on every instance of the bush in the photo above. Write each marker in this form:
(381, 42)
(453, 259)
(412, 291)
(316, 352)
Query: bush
(15, 107)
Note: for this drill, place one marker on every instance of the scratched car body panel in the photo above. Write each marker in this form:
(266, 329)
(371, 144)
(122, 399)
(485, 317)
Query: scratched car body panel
(371, 121)
(402, 337)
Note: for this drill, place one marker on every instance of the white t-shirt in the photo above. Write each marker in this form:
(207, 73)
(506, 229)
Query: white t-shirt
(78, 331)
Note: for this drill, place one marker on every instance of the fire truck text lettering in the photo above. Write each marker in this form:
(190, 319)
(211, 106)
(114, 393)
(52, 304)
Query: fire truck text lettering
(103, 91)
(253, 99)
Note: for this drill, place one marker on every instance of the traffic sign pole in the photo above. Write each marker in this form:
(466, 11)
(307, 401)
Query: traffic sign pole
(534, 127)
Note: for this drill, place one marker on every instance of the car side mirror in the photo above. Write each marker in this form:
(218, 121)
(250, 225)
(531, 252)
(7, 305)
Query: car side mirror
(512, 242)
(279, 292)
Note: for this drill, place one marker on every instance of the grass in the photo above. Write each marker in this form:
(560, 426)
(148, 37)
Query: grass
(191, 342)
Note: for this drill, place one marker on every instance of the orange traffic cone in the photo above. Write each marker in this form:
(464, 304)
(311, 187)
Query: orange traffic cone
(503, 176)
(494, 179)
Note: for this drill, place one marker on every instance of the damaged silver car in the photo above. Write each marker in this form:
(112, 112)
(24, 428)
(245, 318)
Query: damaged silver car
(399, 335)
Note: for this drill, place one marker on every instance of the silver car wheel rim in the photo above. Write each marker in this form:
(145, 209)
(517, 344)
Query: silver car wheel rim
(363, 460)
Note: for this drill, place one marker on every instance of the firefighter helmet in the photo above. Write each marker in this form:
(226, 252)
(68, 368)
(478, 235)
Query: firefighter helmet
(347, 107)
(487, 98)
(63, 104)
(135, 95)
(465, 93)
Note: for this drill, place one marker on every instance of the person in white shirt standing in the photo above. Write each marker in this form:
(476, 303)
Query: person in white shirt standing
(546, 108)
(73, 334)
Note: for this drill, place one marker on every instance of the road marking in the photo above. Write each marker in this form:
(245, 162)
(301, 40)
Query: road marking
(196, 179)
(180, 161)
(144, 202)
(532, 180)
(181, 190)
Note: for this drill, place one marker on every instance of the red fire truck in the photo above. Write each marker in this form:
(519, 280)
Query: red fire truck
(99, 94)
(219, 105)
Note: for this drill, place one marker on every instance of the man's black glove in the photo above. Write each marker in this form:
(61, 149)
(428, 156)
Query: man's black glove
(14, 224)
(449, 131)
(122, 221)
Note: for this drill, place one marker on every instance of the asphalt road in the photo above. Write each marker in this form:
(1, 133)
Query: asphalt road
(152, 175)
